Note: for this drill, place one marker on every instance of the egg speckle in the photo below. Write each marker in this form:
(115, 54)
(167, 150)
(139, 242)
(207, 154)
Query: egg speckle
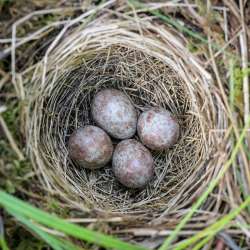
(113, 111)
(158, 129)
(90, 147)
(132, 164)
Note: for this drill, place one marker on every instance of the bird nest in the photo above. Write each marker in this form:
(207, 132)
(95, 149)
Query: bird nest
(152, 67)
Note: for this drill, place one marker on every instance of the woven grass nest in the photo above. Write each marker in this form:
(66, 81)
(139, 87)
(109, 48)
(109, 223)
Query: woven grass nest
(152, 67)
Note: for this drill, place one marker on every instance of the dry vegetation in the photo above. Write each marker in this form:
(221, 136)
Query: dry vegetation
(188, 56)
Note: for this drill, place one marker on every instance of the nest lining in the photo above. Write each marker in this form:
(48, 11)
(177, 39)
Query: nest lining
(152, 70)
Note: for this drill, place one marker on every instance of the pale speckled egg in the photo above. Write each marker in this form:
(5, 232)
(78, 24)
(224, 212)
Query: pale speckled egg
(113, 111)
(158, 129)
(132, 164)
(90, 147)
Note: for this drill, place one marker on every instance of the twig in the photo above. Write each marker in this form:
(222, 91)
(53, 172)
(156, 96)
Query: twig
(33, 36)
(229, 241)
(235, 10)
(225, 25)
(91, 220)
(201, 20)
(224, 97)
(1, 226)
(155, 6)
(11, 139)
(4, 80)
(244, 51)
(222, 49)
(14, 28)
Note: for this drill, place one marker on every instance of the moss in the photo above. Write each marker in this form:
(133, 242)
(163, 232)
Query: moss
(192, 47)
(238, 98)
(14, 173)
(196, 46)
(55, 207)
(12, 118)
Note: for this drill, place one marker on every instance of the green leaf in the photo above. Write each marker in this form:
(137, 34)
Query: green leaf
(18, 207)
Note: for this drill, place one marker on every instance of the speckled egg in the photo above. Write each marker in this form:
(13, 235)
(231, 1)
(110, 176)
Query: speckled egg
(113, 111)
(132, 164)
(158, 129)
(90, 147)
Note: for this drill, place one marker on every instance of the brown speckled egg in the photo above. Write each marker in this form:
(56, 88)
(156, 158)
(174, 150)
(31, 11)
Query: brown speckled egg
(90, 147)
(113, 111)
(158, 129)
(132, 164)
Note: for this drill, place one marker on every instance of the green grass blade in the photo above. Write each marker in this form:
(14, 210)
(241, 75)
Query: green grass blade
(55, 242)
(3, 244)
(47, 238)
(21, 208)
(213, 229)
(205, 194)
(200, 244)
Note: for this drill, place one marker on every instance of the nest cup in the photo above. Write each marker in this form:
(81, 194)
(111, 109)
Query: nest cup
(153, 68)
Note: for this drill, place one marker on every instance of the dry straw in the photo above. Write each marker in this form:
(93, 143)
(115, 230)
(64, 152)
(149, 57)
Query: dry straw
(152, 66)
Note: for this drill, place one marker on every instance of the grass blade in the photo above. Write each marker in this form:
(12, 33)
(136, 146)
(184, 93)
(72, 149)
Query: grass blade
(171, 21)
(3, 244)
(200, 244)
(210, 188)
(213, 229)
(53, 241)
(21, 208)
